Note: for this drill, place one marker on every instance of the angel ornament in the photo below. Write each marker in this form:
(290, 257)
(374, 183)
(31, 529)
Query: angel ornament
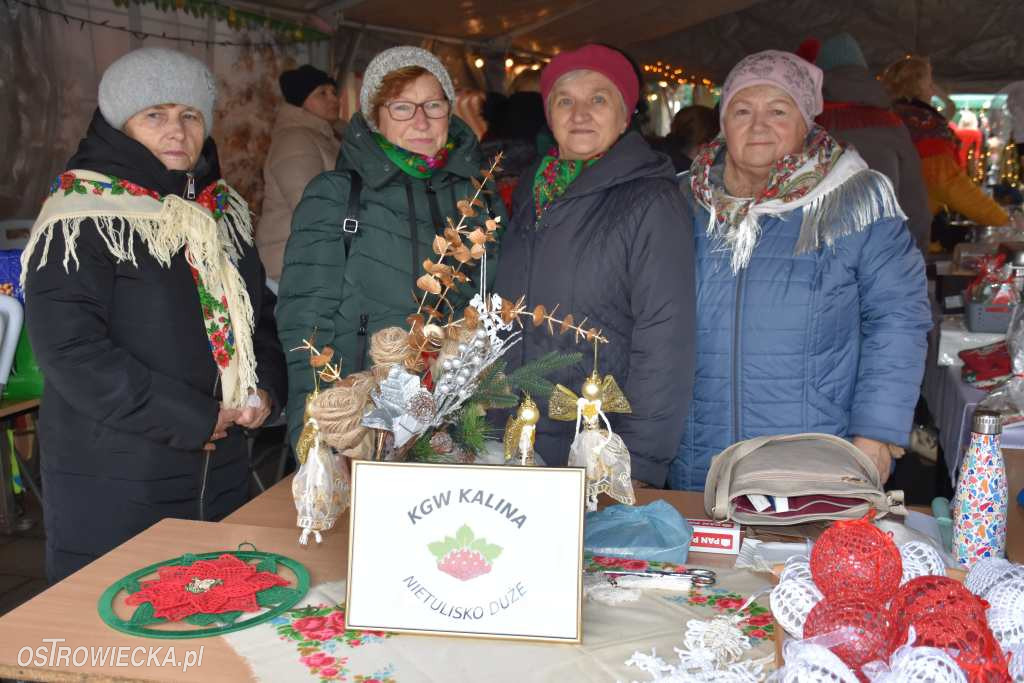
(520, 432)
(596, 446)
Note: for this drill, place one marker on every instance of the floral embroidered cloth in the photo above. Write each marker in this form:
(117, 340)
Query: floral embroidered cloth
(553, 177)
(312, 642)
(211, 229)
(416, 165)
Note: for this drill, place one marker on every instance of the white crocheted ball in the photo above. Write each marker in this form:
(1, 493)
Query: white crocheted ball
(1006, 611)
(796, 568)
(989, 571)
(807, 663)
(922, 665)
(920, 559)
(791, 602)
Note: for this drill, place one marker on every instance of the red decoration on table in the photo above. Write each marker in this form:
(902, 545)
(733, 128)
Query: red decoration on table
(856, 557)
(986, 364)
(973, 646)
(226, 584)
(994, 283)
(926, 594)
(863, 626)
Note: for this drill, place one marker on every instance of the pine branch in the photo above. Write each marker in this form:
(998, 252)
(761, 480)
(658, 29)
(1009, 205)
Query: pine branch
(532, 377)
(472, 429)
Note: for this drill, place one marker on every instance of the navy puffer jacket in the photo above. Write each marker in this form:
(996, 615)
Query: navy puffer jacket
(829, 341)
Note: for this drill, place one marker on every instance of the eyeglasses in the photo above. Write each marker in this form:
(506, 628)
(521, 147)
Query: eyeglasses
(432, 109)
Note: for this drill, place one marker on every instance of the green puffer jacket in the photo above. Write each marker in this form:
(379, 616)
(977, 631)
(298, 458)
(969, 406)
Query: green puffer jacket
(340, 299)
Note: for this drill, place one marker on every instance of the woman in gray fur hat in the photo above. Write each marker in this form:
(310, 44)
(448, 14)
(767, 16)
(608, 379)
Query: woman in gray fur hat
(147, 309)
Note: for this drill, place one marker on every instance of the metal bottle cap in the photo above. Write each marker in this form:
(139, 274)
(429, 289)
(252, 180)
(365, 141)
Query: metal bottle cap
(987, 422)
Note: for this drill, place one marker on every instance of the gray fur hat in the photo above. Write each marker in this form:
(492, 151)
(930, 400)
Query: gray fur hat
(155, 75)
(393, 59)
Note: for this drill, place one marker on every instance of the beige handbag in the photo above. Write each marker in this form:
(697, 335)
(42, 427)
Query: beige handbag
(816, 476)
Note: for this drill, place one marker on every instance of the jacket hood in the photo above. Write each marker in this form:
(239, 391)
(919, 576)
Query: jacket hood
(290, 116)
(631, 158)
(104, 149)
(854, 84)
(361, 153)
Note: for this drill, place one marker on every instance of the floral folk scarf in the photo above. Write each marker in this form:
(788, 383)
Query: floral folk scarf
(837, 191)
(553, 177)
(416, 165)
(210, 230)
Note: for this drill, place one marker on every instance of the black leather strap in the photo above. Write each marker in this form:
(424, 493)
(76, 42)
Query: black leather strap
(350, 225)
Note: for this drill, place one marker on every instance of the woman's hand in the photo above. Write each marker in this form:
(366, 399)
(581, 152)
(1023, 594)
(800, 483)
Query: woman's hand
(225, 418)
(254, 416)
(878, 452)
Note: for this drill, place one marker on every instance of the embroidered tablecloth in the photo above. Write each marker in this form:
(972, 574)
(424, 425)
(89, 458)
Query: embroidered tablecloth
(311, 643)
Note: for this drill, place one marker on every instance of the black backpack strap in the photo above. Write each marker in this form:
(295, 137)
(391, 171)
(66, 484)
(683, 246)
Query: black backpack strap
(350, 226)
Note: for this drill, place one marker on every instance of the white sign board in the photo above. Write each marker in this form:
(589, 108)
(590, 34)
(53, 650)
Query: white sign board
(484, 551)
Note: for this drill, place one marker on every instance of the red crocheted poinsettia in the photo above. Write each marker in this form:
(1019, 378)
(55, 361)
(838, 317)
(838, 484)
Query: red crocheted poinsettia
(226, 584)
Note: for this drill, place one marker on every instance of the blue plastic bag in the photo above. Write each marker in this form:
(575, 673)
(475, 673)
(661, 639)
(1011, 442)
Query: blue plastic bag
(653, 532)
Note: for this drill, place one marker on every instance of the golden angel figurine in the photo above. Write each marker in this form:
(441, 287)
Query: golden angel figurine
(520, 432)
(596, 446)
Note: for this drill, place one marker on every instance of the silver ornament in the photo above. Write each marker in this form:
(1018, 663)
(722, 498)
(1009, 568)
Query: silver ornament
(446, 364)
(463, 349)
(481, 335)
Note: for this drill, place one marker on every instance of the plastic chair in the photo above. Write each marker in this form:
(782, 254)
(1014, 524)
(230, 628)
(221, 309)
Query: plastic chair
(12, 315)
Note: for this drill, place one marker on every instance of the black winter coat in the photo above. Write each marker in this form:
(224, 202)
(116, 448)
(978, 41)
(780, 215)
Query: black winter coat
(617, 249)
(131, 391)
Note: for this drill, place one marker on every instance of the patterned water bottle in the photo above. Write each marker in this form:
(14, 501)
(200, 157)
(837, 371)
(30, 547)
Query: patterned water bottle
(979, 507)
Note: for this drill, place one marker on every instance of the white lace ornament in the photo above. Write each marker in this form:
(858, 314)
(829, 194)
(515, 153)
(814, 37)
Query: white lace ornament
(808, 662)
(1006, 611)
(916, 665)
(989, 571)
(1016, 656)
(791, 601)
(711, 653)
(797, 568)
(920, 559)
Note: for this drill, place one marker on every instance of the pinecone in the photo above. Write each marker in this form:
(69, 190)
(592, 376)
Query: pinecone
(422, 406)
(441, 442)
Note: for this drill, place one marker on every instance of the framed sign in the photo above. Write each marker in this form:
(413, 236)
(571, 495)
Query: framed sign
(468, 550)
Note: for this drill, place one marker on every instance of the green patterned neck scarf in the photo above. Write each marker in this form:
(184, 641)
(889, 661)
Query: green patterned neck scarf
(553, 177)
(416, 165)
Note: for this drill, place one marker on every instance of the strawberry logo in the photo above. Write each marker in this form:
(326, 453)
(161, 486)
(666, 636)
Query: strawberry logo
(464, 556)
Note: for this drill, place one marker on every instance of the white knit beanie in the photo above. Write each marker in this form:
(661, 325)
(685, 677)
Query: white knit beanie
(154, 75)
(393, 59)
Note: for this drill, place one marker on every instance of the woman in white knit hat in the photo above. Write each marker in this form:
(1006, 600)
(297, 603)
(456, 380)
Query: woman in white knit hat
(146, 308)
(362, 231)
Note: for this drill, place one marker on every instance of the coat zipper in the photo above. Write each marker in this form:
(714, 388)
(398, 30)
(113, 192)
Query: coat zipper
(530, 248)
(736, 341)
(364, 322)
(190, 188)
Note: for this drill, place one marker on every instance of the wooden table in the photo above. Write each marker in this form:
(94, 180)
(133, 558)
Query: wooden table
(8, 411)
(68, 609)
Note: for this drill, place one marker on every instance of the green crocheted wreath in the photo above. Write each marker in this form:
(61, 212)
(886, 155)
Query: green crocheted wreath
(210, 591)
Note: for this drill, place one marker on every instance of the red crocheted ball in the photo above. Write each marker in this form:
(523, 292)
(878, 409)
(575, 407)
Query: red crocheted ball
(927, 594)
(975, 648)
(856, 558)
(862, 626)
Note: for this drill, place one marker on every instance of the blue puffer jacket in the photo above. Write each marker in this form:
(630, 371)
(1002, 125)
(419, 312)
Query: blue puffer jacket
(830, 341)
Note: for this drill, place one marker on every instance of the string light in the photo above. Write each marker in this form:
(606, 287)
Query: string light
(478, 62)
(670, 73)
(291, 32)
(535, 67)
(509, 63)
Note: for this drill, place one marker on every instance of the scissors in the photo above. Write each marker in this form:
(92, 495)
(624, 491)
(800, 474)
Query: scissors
(698, 577)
